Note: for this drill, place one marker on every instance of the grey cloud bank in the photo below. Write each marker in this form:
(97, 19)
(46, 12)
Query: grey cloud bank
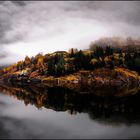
(30, 27)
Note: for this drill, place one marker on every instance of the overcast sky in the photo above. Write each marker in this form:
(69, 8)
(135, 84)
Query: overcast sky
(30, 27)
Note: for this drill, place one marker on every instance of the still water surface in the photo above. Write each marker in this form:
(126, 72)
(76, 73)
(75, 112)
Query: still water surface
(64, 117)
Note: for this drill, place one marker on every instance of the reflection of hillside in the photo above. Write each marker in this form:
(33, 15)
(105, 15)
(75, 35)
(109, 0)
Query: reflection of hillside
(104, 109)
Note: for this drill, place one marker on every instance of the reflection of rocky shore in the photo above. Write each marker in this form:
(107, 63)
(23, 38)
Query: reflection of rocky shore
(103, 109)
(84, 88)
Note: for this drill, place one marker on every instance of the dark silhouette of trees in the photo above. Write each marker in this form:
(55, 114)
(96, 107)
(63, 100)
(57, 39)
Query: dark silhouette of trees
(99, 52)
(108, 51)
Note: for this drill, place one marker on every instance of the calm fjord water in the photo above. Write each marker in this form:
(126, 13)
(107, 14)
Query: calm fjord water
(59, 114)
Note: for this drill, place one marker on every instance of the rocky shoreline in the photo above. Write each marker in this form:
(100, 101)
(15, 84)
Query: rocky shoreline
(96, 78)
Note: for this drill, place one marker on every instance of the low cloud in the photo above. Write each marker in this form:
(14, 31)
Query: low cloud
(30, 27)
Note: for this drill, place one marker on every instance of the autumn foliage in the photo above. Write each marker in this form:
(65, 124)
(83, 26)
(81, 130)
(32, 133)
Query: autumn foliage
(63, 63)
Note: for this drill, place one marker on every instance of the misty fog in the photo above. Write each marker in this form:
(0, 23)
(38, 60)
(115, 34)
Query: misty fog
(30, 27)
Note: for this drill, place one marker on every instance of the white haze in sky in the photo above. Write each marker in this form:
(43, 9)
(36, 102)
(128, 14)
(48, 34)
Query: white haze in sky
(30, 27)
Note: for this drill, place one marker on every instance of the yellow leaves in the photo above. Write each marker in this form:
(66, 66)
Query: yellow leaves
(127, 73)
(19, 63)
(87, 52)
(9, 69)
(107, 59)
(40, 61)
(40, 100)
(48, 79)
(25, 71)
(27, 60)
(71, 78)
(39, 56)
(94, 61)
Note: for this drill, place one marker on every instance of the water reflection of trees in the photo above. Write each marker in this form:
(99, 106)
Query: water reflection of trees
(102, 108)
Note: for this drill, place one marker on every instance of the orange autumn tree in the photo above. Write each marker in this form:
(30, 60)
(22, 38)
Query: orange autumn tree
(27, 60)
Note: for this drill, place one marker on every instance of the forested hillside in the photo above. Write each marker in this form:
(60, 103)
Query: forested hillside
(62, 63)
